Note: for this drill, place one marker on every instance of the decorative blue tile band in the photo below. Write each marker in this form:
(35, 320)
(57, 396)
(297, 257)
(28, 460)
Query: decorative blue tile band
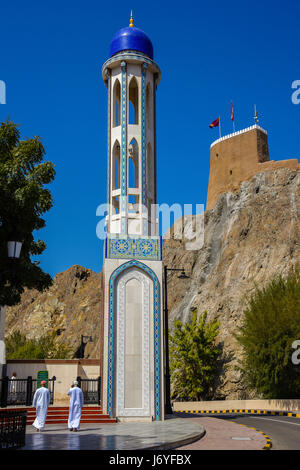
(144, 144)
(144, 168)
(123, 199)
(120, 247)
(107, 74)
(111, 335)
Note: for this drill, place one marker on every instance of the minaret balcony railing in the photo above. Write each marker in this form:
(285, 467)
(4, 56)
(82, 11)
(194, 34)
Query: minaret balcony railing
(133, 129)
(133, 191)
(130, 57)
(116, 192)
(115, 216)
(133, 215)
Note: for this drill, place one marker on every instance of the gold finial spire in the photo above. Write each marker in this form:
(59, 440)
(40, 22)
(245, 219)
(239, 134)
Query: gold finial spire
(131, 21)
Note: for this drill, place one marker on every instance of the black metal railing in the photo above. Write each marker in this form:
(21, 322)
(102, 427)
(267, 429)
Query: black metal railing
(15, 392)
(91, 390)
(12, 429)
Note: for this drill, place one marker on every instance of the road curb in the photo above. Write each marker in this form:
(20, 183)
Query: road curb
(268, 444)
(256, 412)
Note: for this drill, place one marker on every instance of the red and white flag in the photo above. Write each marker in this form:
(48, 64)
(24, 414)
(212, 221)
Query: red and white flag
(232, 113)
(215, 123)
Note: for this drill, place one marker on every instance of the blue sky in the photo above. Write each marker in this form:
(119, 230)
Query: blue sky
(209, 52)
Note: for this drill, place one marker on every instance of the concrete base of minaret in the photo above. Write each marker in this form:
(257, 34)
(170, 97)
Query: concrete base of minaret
(133, 375)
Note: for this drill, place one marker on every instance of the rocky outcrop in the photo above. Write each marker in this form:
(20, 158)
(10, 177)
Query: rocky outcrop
(250, 236)
(71, 307)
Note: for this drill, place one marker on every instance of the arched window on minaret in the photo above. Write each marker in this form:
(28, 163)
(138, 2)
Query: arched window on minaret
(133, 153)
(116, 205)
(116, 166)
(148, 106)
(133, 176)
(116, 104)
(133, 102)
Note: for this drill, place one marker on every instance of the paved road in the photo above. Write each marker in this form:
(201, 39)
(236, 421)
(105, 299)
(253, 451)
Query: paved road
(283, 431)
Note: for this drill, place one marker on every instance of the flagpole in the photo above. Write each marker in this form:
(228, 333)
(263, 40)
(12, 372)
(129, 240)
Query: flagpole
(220, 126)
(232, 117)
(255, 115)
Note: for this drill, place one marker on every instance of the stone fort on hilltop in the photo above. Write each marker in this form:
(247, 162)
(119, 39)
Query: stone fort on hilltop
(238, 157)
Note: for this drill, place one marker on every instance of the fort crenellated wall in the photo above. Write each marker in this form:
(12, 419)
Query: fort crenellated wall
(238, 157)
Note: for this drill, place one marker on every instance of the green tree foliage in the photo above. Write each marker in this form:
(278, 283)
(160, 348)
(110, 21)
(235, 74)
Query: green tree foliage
(270, 326)
(193, 358)
(19, 347)
(23, 201)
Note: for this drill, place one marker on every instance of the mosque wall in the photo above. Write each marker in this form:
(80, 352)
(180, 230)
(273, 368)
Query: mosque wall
(65, 372)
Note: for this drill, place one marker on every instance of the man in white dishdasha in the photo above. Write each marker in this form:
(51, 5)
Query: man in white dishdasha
(41, 402)
(76, 403)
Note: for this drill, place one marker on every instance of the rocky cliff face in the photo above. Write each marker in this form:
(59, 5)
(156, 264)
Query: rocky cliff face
(250, 236)
(71, 307)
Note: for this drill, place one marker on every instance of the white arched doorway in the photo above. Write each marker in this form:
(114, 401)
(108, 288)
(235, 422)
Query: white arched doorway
(134, 364)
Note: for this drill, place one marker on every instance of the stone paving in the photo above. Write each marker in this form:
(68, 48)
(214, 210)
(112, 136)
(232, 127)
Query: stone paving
(188, 433)
(167, 434)
(225, 435)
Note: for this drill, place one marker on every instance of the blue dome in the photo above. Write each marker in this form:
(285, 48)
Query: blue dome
(131, 38)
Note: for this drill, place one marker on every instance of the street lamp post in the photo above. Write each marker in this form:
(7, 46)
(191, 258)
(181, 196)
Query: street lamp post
(168, 407)
(82, 344)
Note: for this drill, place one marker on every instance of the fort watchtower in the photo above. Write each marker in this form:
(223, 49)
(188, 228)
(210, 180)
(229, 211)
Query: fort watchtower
(238, 157)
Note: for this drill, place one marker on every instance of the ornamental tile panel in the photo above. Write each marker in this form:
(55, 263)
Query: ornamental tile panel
(134, 248)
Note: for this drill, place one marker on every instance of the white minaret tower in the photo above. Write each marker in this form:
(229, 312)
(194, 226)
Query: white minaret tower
(133, 319)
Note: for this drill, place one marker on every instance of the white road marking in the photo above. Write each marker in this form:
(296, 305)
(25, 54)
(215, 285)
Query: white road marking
(241, 438)
(271, 419)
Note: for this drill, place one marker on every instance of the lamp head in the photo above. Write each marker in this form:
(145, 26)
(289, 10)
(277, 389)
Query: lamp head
(14, 246)
(182, 275)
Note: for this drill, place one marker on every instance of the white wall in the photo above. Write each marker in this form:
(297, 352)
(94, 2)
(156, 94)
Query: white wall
(269, 405)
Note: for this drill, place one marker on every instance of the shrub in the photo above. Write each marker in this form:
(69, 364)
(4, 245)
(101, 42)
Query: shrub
(193, 358)
(270, 326)
(19, 347)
